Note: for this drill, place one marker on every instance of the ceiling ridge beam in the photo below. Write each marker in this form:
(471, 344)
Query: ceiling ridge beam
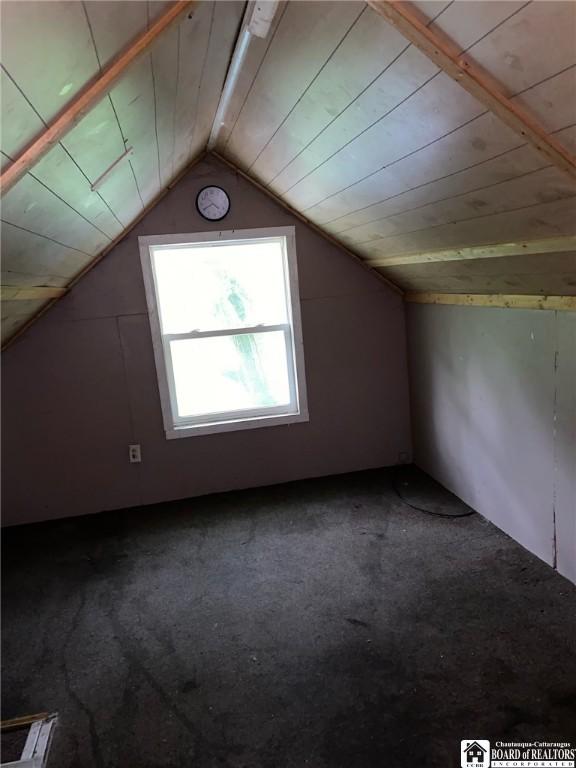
(564, 244)
(440, 49)
(333, 240)
(91, 95)
(503, 300)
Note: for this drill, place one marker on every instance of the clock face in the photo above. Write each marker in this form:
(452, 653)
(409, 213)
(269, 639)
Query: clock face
(213, 203)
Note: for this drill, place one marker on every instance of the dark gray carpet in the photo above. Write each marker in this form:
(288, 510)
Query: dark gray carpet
(320, 624)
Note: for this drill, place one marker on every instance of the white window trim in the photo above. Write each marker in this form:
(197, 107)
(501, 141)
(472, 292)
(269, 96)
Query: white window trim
(250, 419)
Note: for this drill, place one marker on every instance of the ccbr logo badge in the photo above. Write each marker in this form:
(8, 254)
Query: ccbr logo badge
(475, 753)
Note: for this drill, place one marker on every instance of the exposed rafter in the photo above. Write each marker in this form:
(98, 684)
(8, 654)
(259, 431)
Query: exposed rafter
(91, 95)
(508, 301)
(548, 245)
(446, 55)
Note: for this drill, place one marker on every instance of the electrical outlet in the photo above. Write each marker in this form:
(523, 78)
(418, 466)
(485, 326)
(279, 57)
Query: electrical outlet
(403, 458)
(134, 454)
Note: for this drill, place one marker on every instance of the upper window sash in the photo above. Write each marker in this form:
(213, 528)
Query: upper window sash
(279, 311)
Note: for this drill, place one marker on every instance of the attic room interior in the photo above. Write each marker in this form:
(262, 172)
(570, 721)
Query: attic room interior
(288, 383)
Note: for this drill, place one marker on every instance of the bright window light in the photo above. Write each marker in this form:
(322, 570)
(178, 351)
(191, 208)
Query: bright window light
(225, 318)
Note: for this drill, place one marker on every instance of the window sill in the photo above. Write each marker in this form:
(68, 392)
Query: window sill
(193, 430)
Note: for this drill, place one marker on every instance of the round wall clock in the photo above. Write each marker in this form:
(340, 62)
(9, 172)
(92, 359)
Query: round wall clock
(212, 203)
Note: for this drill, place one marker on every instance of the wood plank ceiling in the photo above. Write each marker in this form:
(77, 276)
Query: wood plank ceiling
(334, 112)
(53, 225)
(370, 140)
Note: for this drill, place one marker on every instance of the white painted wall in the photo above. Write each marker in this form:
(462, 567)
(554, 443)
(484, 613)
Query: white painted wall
(493, 395)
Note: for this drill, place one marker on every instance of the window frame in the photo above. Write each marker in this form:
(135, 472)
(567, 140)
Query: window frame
(227, 421)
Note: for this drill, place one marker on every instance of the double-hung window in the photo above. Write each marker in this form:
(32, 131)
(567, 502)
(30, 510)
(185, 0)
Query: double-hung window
(225, 319)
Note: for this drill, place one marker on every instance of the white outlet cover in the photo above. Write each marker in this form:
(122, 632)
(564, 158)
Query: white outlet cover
(134, 454)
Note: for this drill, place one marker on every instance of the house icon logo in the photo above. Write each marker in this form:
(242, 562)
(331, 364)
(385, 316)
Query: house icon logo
(475, 753)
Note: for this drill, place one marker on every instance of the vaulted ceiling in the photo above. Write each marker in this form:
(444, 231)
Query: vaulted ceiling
(335, 112)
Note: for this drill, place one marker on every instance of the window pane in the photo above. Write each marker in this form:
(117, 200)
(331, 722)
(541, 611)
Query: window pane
(230, 373)
(220, 286)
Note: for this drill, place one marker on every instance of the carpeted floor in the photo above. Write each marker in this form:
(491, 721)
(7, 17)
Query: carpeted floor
(321, 624)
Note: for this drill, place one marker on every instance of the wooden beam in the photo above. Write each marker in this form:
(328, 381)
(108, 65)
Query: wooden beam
(509, 301)
(22, 722)
(497, 250)
(446, 55)
(30, 293)
(91, 95)
(306, 221)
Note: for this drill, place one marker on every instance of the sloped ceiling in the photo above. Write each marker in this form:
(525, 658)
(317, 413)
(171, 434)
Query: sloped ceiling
(163, 107)
(334, 112)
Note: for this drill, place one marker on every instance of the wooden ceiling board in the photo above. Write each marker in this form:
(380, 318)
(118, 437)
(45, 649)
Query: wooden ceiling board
(225, 25)
(47, 49)
(95, 143)
(134, 104)
(516, 54)
(436, 109)
(20, 123)
(129, 115)
(529, 223)
(112, 26)
(164, 60)
(346, 87)
(194, 45)
(407, 74)
(336, 85)
(482, 139)
(466, 23)
(542, 185)
(304, 39)
(552, 101)
(163, 107)
(470, 146)
(58, 32)
(478, 178)
(56, 170)
(30, 205)
(532, 274)
(355, 162)
(27, 252)
(374, 102)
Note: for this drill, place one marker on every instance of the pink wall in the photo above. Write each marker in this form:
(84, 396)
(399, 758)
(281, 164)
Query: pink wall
(81, 385)
(494, 415)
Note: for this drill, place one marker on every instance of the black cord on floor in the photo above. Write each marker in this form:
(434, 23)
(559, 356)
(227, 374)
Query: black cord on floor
(422, 509)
